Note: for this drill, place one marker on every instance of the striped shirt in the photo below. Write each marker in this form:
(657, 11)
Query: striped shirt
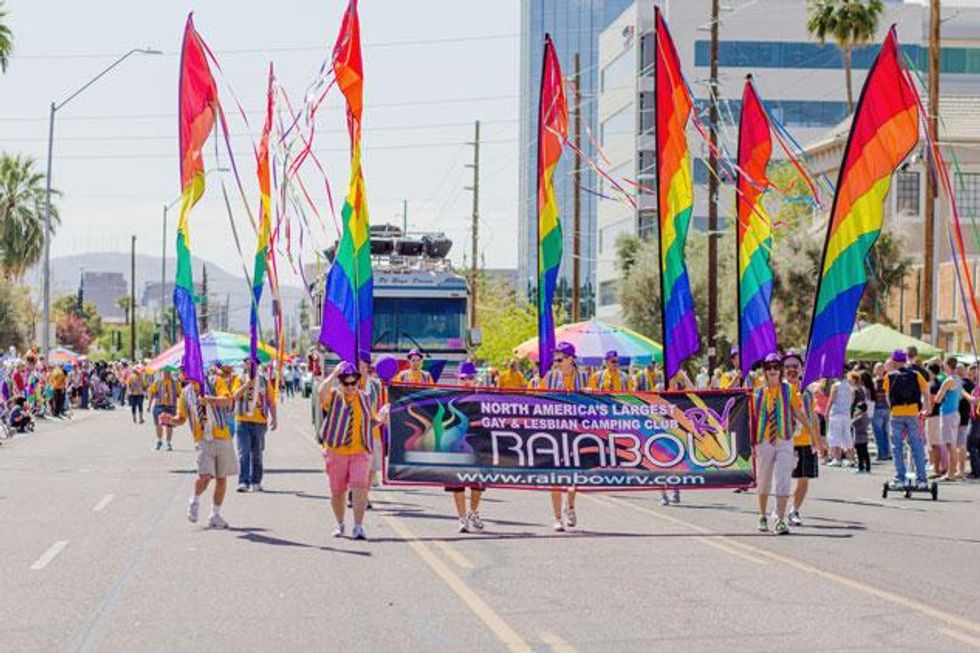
(347, 422)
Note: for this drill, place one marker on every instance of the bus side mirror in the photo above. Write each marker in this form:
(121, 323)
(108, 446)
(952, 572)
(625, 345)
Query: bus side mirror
(476, 337)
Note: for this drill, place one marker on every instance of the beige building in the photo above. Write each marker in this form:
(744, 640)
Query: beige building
(959, 136)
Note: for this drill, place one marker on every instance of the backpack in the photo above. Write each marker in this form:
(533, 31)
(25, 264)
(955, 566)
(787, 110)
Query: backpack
(903, 388)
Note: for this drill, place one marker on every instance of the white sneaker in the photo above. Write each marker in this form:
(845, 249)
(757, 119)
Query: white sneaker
(559, 526)
(338, 530)
(256, 487)
(192, 509)
(464, 525)
(242, 487)
(475, 522)
(834, 463)
(215, 521)
(358, 532)
(794, 518)
(570, 518)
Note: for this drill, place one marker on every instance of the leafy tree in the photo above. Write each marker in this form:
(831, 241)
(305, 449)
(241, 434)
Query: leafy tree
(15, 326)
(6, 39)
(72, 333)
(89, 314)
(850, 23)
(22, 202)
(506, 320)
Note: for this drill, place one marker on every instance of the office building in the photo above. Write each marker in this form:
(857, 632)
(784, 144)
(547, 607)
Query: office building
(801, 82)
(574, 26)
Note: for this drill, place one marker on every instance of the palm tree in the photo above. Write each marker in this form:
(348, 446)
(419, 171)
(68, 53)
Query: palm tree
(21, 215)
(6, 40)
(850, 23)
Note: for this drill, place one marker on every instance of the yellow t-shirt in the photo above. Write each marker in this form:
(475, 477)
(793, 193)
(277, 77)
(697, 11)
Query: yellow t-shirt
(611, 381)
(411, 376)
(906, 410)
(802, 436)
(57, 379)
(511, 379)
(356, 446)
(168, 391)
(205, 417)
(257, 415)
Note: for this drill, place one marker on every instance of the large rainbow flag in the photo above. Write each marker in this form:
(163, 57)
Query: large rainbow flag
(756, 332)
(262, 250)
(552, 133)
(347, 308)
(883, 132)
(675, 200)
(198, 100)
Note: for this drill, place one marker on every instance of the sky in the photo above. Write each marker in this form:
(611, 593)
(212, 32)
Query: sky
(431, 68)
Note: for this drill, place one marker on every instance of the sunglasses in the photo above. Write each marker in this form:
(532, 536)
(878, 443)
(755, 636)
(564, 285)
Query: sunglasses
(559, 359)
(773, 368)
(349, 383)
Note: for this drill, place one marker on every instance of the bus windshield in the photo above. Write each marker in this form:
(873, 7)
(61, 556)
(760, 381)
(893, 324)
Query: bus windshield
(430, 323)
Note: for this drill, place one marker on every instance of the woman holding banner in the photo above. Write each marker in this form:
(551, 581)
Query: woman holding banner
(469, 521)
(564, 375)
(774, 406)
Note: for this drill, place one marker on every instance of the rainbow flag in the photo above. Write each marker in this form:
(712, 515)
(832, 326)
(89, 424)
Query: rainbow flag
(552, 133)
(883, 132)
(756, 332)
(347, 308)
(198, 101)
(675, 200)
(262, 251)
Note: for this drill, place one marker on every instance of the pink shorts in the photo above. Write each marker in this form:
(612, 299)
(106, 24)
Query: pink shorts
(348, 471)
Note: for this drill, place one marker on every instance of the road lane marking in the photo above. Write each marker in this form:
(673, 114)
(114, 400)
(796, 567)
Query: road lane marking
(49, 555)
(885, 595)
(556, 643)
(458, 558)
(103, 502)
(963, 637)
(507, 635)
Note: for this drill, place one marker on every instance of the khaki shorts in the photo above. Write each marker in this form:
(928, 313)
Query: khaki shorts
(216, 458)
(949, 427)
(934, 430)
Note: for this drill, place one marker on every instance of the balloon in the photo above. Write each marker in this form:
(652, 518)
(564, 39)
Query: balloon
(387, 367)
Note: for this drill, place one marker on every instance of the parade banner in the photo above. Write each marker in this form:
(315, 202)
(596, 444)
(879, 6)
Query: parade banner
(531, 439)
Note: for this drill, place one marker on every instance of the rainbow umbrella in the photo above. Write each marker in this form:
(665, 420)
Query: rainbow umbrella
(62, 355)
(592, 339)
(221, 346)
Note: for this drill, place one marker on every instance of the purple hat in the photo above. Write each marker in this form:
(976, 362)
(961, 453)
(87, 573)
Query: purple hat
(793, 354)
(899, 356)
(772, 358)
(414, 352)
(566, 348)
(733, 353)
(467, 370)
(365, 357)
(611, 354)
(346, 369)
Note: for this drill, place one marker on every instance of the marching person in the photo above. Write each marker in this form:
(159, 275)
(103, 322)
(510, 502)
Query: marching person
(208, 417)
(469, 520)
(414, 374)
(774, 406)
(909, 398)
(163, 400)
(807, 441)
(611, 378)
(375, 390)
(135, 389)
(511, 378)
(951, 392)
(347, 444)
(840, 436)
(564, 375)
(255, 414)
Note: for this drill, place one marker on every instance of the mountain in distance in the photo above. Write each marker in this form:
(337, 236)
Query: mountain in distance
(222, 285)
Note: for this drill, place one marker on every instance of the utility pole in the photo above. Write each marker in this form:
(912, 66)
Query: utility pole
(475, 234)
(929, 330)
(404, 216)
(205, 300)
(577, 197)
(163, 277)
(713, 190)
(132, 301)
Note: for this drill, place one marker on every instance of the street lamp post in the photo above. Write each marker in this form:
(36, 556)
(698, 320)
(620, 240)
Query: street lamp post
(47, 191)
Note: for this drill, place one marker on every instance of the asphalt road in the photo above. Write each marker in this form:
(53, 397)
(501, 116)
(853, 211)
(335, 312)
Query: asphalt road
(97, 555)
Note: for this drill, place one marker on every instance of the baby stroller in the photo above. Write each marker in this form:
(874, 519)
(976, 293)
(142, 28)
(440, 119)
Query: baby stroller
(100, 395)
